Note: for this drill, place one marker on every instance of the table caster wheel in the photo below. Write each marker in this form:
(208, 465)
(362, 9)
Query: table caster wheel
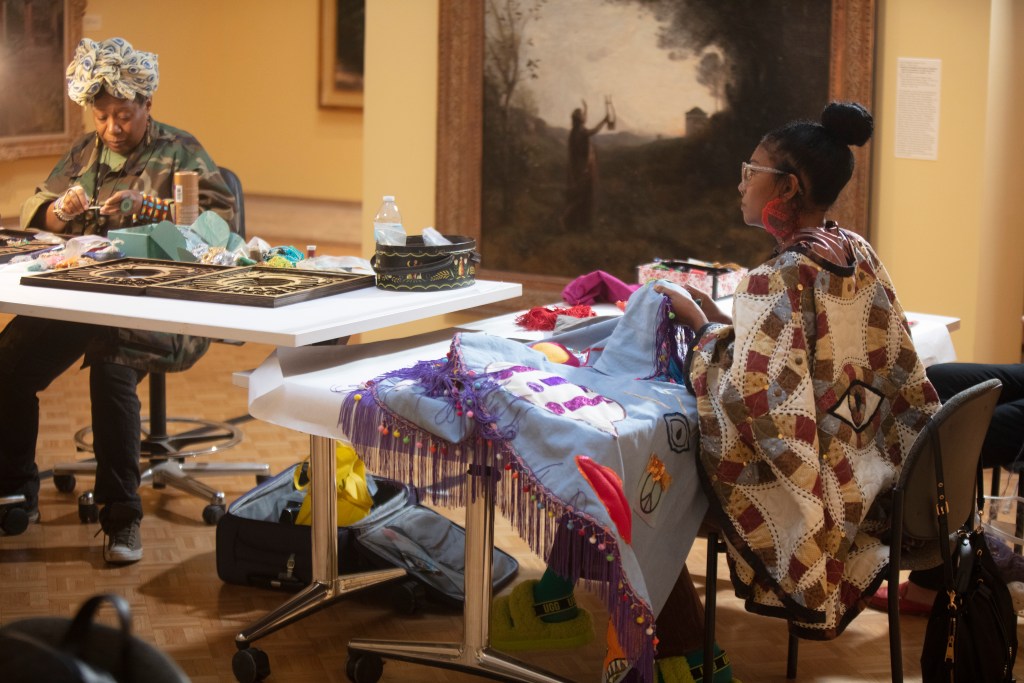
(407, 596)
(88, 511)
(65, 483)
(250, 665)
(13, 521)
(364, 667)
(212, 514)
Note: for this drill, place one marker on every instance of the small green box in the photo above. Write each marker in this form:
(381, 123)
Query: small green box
(160, 241)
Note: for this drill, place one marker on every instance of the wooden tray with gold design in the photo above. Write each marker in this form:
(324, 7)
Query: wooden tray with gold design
(121, 276)
(262, 286)
(16, 242)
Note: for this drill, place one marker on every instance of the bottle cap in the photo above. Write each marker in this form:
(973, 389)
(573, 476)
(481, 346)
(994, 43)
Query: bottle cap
(389, 197)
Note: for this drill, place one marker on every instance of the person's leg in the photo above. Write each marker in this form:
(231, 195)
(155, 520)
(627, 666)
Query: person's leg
(117, 437)
(681, 636)
(681, 620)
(33, 352)
(1005, 435)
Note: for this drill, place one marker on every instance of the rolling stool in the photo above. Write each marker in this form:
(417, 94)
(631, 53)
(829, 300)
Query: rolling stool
(166, 455)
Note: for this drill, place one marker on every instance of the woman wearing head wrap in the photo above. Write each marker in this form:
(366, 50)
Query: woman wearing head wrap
(129, 157)
(120, 175)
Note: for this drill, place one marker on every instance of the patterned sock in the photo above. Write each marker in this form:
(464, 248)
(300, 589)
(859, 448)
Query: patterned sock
(723, 669)
(553, 598)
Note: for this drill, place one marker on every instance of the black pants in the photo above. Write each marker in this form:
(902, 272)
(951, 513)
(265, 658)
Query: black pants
(34, 352)
(1005, 435)
(1004, 439)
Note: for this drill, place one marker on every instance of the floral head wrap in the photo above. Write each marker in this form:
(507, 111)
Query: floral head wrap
(113, 65)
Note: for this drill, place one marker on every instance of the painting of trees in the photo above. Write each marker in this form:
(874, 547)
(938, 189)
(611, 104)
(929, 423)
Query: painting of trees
(661, 188)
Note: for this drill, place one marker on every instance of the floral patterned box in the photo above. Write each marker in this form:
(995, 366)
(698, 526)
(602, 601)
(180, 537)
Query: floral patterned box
(720, 280)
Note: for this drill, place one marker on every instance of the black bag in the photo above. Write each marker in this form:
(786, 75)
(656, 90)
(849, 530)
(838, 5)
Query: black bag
(431, 548)
(973, 635)
(972, 631)
(259, 545)
(255, 547)
(56, 650)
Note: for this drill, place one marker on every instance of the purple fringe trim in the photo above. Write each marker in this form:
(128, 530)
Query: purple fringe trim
(576, 545)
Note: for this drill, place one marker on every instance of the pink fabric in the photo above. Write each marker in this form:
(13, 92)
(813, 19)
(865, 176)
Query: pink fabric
(597, 287)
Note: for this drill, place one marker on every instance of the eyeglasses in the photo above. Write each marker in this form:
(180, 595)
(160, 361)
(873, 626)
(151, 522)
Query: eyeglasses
(747, 171)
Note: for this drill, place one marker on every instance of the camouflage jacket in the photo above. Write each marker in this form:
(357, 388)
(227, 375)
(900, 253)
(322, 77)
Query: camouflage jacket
(149, 168)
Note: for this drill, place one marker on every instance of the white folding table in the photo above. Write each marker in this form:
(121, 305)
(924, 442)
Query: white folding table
(300, 324)
(295, 388)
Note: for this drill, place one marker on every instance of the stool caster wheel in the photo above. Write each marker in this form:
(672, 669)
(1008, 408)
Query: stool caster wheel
(212, 514)
(408, 596)
(88, 511)
(250, 665)
(13, 521)
(364, 667)
(65, 483)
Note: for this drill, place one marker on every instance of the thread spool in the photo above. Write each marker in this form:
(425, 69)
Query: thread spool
(186, 197)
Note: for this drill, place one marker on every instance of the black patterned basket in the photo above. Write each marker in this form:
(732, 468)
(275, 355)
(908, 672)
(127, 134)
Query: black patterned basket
(417, 267)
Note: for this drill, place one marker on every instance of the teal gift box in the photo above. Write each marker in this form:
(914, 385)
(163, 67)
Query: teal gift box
(168, 241)
(158, 240)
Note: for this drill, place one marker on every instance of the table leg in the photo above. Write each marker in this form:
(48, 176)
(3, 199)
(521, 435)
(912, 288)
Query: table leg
(474, 654)
(326, 586)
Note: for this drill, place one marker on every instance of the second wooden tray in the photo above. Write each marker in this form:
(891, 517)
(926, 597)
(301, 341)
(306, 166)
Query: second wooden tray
(261, 286)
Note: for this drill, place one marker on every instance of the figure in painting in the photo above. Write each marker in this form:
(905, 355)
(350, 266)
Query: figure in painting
(582, 175)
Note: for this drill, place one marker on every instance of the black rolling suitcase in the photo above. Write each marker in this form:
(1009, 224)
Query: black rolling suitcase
(258, 546)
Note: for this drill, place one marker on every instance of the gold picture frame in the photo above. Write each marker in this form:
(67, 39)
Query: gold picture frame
(341, 79)
(38, 119)
(460, 123)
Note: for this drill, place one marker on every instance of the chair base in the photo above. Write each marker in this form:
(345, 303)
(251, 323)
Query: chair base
(195, 437)
(165, 454)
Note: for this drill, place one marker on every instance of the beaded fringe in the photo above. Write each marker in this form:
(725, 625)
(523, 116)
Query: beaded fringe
(577, 546)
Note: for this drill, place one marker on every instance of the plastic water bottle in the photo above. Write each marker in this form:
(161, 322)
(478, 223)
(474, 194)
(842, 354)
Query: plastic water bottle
(387, 224)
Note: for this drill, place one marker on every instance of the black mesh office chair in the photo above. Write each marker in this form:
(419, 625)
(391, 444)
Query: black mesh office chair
(169, 442)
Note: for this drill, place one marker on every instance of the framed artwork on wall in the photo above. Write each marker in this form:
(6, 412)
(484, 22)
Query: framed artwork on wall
(37, 41)
(601, 134)
(342, 33)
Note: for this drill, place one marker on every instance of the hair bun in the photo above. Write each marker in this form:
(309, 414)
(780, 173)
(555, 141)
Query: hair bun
(848, 122)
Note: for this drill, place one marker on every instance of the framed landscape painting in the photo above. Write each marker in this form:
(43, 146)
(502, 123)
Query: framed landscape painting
(585, 135)
(342, 35)
(37, 41)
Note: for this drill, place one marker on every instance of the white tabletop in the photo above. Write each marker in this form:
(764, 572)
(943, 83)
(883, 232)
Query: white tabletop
(296, 324)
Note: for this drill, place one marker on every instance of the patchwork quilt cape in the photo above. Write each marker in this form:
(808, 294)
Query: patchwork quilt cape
(808, 405)
(597, 463)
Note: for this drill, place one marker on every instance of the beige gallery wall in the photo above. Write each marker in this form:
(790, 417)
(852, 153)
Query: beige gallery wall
(243, 77)
(948, 230)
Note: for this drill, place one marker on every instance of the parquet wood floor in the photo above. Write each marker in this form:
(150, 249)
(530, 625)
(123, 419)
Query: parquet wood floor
(181, 606)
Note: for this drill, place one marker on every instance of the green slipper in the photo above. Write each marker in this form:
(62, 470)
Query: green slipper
(516, 626)
(689, 670)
